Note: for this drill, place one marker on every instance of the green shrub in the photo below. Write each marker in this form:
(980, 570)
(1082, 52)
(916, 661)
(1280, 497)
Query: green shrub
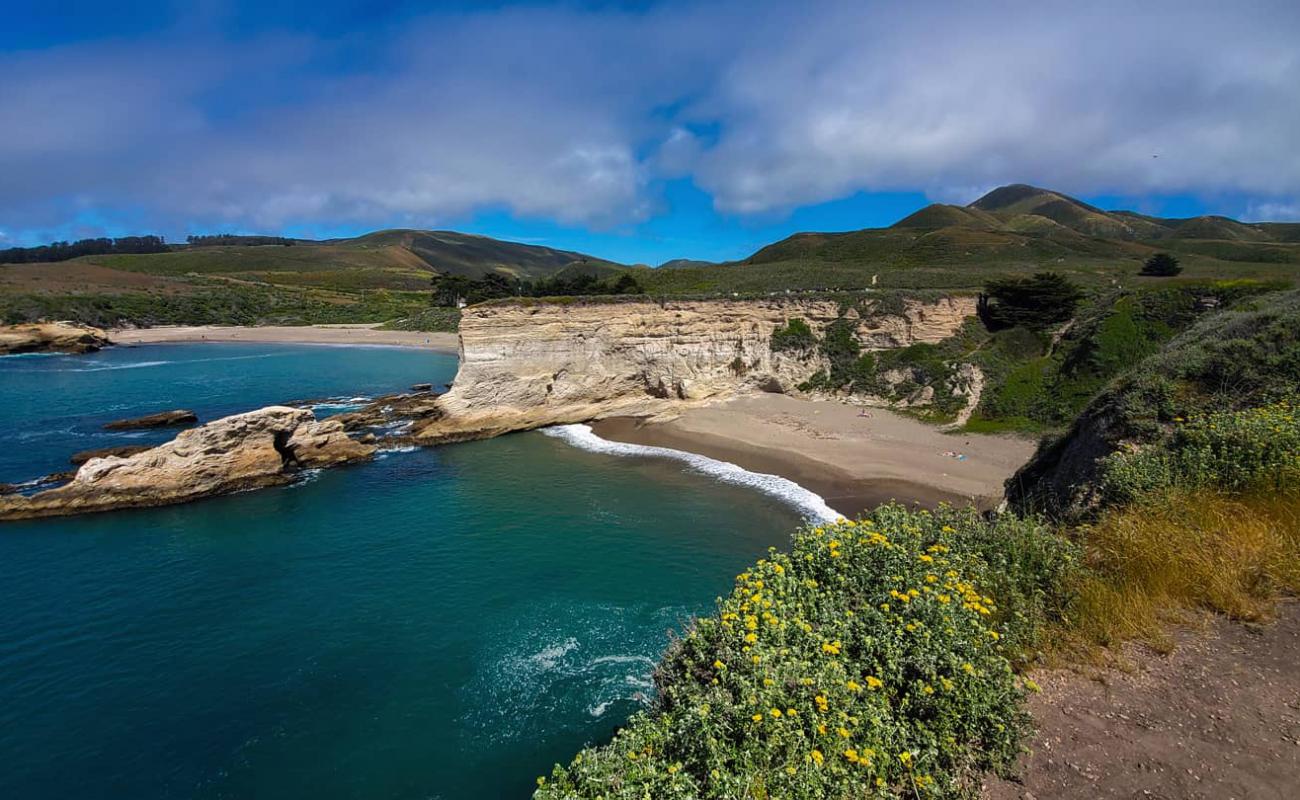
(870, 661)
(1161, 265)
(1040, 301)
(795, 336)
(1252, 449)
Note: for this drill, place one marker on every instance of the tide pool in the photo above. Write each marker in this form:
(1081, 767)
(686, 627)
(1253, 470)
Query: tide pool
(444, 623)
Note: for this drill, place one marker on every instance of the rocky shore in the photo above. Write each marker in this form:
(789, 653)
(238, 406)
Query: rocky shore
(51, 337)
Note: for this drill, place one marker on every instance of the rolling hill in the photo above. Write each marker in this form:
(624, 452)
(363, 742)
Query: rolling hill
(1012, 229)
(386, 274)
(372, 278)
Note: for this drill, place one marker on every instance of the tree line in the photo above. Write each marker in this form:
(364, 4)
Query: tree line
(62, 251)
(231, 240)
(451, 290)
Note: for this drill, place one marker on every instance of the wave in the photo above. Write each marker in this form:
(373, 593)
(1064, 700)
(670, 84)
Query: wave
(809, 504)
(558, 658)
(141, 364)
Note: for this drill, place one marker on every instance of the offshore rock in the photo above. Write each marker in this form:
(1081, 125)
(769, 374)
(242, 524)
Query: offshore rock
(77, 459)
(267, 447)
(163, 419)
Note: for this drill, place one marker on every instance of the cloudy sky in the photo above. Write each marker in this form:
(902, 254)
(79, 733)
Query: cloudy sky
(639, 131)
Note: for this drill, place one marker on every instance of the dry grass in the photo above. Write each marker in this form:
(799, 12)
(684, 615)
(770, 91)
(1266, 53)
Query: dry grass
(1153, 563)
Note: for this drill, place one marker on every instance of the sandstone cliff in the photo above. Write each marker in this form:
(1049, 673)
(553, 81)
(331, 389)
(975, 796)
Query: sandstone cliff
(526, 365)
(58, 337)
(261, 448)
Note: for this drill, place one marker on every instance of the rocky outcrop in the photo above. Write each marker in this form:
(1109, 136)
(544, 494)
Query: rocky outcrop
(163, 419)
(246, 451)
(122, 451)
(51, 337)
(525, 365)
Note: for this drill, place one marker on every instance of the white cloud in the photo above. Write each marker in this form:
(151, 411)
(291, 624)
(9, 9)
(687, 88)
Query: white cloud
(1273, 212)
(575, 115)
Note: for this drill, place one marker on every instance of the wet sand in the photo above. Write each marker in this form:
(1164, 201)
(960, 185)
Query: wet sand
(853, 462)
(300, 334)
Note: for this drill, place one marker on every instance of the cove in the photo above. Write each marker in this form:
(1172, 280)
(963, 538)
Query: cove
(439, 623)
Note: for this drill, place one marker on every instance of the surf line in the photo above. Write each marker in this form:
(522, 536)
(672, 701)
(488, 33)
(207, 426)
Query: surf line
(809, 504)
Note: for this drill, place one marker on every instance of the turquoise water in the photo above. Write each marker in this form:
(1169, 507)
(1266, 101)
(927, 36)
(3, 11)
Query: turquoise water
(444, 623)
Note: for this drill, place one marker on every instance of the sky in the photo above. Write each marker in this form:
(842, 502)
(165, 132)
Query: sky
(635, 131)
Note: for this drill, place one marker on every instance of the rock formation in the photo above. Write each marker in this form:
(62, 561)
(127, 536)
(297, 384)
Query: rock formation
(45, 337)
(121, 451)
(525, 365)
(261, 448)
(163, 419)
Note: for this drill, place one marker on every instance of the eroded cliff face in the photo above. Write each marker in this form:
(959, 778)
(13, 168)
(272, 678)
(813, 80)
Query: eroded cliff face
(528, 365)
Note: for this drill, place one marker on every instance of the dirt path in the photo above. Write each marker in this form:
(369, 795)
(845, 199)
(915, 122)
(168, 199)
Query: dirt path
(1219, 718)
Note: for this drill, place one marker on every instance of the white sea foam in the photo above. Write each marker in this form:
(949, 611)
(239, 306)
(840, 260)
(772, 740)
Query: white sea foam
(810, 504)
(340, 404)
(401, 448)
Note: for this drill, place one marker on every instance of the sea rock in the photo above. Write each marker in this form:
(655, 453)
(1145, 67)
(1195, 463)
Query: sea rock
(51, 337)
(163, 419)
(421, 387)
(246, 451)
(104, 452)
(529, 364)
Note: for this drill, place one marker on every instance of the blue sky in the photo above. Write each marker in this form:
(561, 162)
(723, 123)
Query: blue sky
(636, 131)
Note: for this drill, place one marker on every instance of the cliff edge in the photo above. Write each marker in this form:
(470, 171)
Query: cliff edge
(530, 364)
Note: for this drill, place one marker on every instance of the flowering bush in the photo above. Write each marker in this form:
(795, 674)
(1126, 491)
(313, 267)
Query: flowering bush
(1258, 448)
(870, 661)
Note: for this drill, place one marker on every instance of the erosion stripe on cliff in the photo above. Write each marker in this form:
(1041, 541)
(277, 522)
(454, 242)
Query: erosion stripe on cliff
(810, 504)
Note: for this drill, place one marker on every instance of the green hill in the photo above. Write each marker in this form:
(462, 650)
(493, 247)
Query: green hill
(1012, 229)
(372, 278)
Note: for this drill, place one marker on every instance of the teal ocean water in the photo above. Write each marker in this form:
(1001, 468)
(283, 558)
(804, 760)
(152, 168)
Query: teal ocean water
(443, 623)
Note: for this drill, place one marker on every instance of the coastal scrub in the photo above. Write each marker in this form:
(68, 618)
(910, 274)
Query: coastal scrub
(872, 660)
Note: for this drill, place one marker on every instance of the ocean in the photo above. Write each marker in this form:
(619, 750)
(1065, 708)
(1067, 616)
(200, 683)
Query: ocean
(440, 623)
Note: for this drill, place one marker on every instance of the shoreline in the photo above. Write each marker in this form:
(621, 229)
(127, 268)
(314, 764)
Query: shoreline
(439, 341)
(854, 463)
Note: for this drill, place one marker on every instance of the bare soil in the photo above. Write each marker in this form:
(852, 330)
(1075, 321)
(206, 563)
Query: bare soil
(1218, 718)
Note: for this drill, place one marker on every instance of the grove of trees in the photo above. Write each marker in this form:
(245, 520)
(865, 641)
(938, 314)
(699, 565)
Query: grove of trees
(62, 251)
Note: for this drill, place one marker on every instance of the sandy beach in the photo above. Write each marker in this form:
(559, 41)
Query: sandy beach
(301, 334)
(854, 462)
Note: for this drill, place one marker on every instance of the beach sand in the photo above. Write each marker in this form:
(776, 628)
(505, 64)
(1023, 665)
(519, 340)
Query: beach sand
(302, 334)
(853, 462)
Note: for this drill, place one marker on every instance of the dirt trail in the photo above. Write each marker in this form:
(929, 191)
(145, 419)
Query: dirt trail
(1219, 718)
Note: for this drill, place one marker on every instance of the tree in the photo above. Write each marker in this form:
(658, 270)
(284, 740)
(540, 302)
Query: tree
(625, 284)
(1037, 302)
(1161, 265)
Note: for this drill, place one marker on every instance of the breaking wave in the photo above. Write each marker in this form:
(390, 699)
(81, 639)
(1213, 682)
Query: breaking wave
(809, 504)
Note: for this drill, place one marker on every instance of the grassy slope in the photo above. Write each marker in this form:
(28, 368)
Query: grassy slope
(1242, 357)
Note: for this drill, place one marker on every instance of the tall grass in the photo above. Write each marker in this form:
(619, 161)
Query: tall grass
(1182, 550)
